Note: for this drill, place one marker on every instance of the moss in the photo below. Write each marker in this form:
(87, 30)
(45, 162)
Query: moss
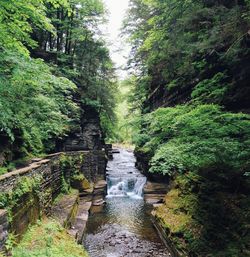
(7, 168)
(72, 165)
(86, 184)
(170, 215)
(200, 219)
(24, 187)
(48, 238)
(60, 196)
(177, 221)
(78, 181)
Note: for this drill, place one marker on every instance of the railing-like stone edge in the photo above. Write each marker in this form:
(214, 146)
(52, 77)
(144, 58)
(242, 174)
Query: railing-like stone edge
(35, 165)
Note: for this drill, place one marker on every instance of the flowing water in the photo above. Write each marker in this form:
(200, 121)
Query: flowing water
(122, 228)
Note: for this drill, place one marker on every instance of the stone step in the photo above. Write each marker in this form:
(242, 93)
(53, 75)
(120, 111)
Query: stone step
(154, 188)
(154, 198)
(63, 209)
(78, 227)
(100, 184)
(98, 202)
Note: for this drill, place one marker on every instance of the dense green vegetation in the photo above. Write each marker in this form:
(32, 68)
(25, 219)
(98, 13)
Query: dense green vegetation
(186, 138)
(23, 187)
(53, 63)
(76, 179)
(191, 58)
(48, 238)
(127, 116)
(184, 46)
(205, 151)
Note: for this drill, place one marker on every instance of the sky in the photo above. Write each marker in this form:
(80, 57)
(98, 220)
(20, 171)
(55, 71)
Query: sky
(119, 50)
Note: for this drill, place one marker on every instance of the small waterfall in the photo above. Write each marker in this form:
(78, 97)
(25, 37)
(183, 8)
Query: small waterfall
(118, 189)
(126, 186)
(123, 178)
(138, 189)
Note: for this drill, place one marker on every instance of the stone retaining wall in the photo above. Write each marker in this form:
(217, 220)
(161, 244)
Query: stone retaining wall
(29, 208)
(3, 227)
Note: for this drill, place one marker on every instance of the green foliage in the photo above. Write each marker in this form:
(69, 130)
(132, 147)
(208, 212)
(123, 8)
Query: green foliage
(168, 159)
(197, 53)
(48, 238)
(82, 55)
(43, 106)
(211, 90)
(17, 20)
(65, 188)
(38, 102)
(10, 242)
(185, 138)
(23, 186)
(72, 176)
(10, 167)
(127, 114)
(179, 46)
(4, 200)
(3, 170)
(205, 150)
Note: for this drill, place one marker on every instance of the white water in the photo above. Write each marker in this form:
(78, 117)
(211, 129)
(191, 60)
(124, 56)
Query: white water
(124, 179)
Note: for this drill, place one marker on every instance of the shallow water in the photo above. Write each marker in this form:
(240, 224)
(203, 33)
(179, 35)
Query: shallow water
(122, 227)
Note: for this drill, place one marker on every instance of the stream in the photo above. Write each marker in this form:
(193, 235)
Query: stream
(122, 227)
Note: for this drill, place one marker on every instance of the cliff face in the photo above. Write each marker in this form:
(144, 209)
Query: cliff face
(236, 99)
(159, 96)
(89, 134)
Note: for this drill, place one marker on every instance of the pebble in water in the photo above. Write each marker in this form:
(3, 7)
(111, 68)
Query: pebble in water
(113, 240)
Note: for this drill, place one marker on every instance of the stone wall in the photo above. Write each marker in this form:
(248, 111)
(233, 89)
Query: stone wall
(3, 227)
(29, 208)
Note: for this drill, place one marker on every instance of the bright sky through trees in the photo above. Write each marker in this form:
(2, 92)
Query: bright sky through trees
(119, 51)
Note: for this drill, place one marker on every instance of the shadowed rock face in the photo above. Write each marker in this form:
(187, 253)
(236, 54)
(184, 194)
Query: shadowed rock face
(8, 150)
(88, 135)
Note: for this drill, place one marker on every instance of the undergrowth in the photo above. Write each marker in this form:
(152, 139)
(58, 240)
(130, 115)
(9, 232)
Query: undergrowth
(48, 239)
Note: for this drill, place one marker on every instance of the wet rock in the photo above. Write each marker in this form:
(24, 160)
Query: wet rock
(155, 192)
(98, 202)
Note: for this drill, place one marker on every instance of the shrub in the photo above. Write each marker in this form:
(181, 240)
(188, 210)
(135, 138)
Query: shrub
(194, 138)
